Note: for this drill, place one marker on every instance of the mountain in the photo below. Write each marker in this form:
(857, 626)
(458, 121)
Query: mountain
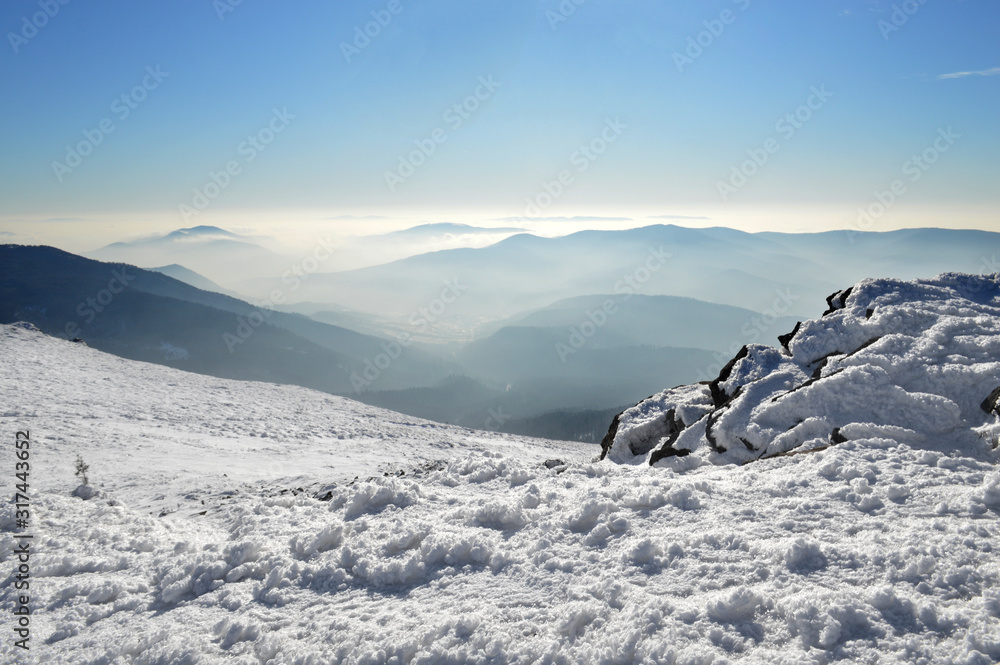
(251, 522)
(369, 250)
(182, 274)
(149, 316)
(623, 320)
(904, 362)
(545, 398)
(516, 354)
(443, 229)
(219, 255)
(159, 319)
(724, 266)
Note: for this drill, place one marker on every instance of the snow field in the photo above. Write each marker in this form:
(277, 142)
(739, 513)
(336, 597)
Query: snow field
(817, 558)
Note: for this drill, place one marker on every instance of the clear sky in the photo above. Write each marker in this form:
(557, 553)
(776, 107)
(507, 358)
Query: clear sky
(189, 87)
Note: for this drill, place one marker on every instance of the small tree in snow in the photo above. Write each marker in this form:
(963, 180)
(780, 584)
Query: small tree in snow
(81, 470)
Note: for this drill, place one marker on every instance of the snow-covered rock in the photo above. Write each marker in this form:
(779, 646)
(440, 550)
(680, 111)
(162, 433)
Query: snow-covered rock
(915, 362)
(85, 492)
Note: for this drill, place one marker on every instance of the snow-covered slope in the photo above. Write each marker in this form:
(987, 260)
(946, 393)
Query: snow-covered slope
(156, 434)
(873, 550)
(893, 361)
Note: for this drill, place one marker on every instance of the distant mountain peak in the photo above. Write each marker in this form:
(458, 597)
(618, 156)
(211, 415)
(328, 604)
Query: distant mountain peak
(451, 228)
(200, 231)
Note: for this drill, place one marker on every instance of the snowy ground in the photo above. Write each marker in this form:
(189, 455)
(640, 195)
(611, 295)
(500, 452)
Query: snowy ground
(871, 551)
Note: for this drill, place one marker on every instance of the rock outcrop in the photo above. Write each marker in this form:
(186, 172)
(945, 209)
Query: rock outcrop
(891, 360)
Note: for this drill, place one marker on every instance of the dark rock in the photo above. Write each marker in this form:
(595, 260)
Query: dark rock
(667, 451)
(837, 300)
(864, 346)
(992, 403)
(719, 396)
(786, 339)
(609, 438)
(808, 383)
(825, 359)
(822, 363)
(713, 442)
(869, 312)
(553, 463)
(837, 437)
(669, 430)
(675, 426)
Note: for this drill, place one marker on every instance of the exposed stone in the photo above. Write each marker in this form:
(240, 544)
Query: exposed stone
(719, 396)
(609, 438)
(85, 492)
(837, 300)
(786, 339)
(992, 403)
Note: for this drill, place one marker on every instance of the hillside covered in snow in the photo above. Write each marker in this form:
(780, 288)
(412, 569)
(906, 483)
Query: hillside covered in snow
(257, 524)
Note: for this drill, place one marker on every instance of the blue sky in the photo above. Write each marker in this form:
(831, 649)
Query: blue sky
(558, 79)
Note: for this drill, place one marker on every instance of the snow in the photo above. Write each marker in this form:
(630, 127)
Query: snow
(882, 548)
(898, 362)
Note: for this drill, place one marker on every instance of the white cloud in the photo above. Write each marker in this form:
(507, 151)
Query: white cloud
(982, 72)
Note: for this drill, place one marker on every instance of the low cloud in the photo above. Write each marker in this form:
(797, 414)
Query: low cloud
(53, 220)
(580, 218)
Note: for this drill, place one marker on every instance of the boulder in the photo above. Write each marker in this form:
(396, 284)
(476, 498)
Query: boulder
(914, 373)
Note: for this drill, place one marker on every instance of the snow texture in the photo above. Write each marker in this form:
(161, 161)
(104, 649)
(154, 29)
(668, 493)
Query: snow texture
(894, 361)
(882, 548)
